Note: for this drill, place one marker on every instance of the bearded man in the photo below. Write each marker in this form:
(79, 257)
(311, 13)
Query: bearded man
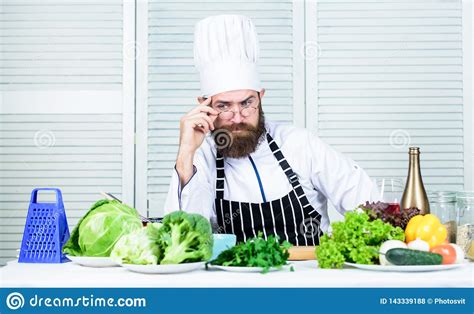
(245, 174)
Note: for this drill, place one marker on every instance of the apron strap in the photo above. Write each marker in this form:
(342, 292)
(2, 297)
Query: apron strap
(220, 176)
(285, 166)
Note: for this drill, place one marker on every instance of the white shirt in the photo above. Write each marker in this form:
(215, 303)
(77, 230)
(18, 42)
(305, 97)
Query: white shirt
(324, 174)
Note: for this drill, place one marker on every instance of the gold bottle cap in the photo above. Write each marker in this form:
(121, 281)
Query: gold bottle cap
(414, 150)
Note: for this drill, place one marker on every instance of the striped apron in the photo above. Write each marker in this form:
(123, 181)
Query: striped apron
(291, 218)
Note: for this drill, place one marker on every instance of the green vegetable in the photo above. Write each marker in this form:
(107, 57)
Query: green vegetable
(413, 257)
(138, 247)
(256, 252)
(102, 226)
(185, 238)
(356, 240)
(387, 245)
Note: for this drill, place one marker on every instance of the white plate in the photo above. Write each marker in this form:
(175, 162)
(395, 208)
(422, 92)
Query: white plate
(90, 261)
(164, 269)
(241, 269)
(408, 268)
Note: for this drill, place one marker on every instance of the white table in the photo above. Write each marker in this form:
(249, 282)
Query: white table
(306, 274)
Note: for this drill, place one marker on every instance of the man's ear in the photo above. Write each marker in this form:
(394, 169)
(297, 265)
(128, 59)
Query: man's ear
(201, 99)
(262, 92)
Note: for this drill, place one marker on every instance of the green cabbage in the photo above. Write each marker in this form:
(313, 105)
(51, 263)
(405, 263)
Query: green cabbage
(138, 247)
(102, 226)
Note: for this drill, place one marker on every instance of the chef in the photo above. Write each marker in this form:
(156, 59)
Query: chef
(247, 174)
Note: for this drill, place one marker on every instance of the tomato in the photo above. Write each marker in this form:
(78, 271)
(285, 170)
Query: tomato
(459, 253)
(447, 251)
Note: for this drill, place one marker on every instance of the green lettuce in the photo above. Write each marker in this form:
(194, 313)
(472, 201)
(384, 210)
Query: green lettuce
(355, 240)
(138, 247)
(102, 226)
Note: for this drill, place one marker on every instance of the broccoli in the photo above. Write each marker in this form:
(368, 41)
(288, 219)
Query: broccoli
(185, 238)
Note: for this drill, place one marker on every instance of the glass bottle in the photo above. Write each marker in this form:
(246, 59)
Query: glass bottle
(414, 194)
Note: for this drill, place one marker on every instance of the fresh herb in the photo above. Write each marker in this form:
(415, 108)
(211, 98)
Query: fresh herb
(256, 252)
(356, 240)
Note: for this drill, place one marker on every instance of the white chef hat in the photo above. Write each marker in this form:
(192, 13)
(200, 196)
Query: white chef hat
(226, 53)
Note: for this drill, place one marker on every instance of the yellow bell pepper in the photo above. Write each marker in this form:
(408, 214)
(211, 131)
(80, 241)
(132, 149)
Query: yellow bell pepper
(427, 228)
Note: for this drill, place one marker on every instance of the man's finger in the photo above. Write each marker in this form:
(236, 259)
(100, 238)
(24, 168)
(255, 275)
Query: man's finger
(213, 117)
(200, 122)
(205, 117)
(206, 102)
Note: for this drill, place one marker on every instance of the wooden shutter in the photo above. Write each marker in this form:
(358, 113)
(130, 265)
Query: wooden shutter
(389, 76)
(61, 116)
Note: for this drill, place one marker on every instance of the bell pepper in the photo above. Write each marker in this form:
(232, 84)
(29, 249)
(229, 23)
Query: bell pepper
(427, 228)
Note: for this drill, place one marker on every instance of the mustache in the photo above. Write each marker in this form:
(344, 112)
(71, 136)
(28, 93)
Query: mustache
(239, 127)
(240, 145)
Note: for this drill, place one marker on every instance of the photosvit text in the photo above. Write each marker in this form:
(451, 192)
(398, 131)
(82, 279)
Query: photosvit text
(433, 301)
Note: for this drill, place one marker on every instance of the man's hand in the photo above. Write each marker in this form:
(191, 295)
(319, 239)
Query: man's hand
(193, 128)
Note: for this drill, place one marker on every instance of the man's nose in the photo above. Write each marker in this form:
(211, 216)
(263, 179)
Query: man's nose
(237, 118)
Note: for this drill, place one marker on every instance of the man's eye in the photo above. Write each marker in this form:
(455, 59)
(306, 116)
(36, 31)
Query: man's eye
(248, 103)
(221, 107)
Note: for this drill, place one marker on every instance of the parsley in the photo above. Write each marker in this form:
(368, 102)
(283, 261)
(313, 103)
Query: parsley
(256, 252)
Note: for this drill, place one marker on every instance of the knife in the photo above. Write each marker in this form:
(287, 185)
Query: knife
(111, 197)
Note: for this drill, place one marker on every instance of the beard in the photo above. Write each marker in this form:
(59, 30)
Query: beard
(239, 144)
